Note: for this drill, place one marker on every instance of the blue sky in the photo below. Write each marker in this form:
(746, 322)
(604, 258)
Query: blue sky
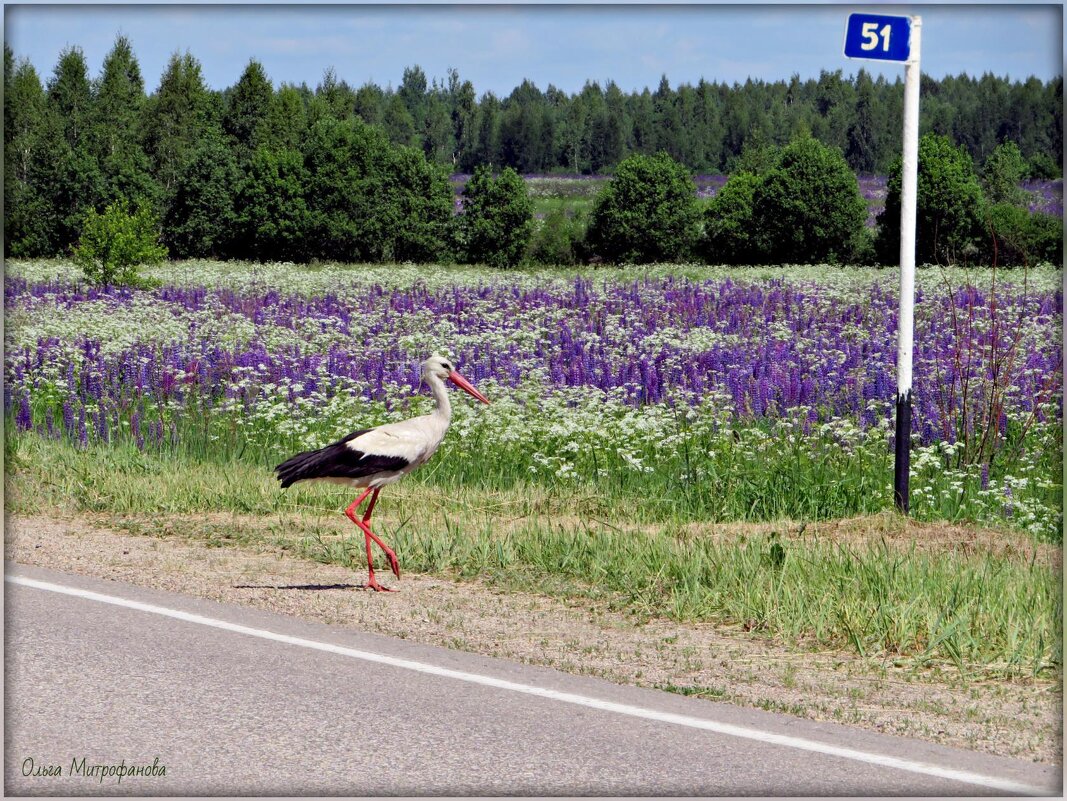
(495, 47)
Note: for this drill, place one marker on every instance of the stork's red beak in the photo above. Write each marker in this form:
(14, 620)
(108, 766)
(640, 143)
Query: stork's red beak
(466, 386)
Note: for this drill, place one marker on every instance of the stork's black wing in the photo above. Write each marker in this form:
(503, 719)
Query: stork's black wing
(336, 461)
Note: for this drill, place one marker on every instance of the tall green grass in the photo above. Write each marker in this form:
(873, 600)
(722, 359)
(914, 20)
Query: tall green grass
(978, 613)
(763, 470)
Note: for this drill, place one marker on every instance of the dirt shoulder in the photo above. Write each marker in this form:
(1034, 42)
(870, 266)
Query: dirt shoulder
(1015, 719)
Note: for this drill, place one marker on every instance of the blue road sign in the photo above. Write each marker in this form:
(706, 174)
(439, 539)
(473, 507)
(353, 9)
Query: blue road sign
(878, 36)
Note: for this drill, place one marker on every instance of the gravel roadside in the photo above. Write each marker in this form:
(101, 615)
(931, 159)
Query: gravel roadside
(1014, 719)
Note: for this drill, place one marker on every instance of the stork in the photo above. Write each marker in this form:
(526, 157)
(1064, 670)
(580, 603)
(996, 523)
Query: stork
(373, 457)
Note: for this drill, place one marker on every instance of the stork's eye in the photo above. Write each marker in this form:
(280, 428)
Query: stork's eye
(446, 366)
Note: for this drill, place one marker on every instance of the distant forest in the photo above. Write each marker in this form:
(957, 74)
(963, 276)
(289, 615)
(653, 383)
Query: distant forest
(74, 140)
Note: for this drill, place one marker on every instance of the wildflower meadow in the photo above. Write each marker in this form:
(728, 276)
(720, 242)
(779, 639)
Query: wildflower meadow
(686, 394)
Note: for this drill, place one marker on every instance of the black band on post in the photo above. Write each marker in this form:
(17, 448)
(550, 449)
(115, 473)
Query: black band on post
(903, 451)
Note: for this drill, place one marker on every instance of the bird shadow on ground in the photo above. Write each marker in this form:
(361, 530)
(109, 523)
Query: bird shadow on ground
(299, 586)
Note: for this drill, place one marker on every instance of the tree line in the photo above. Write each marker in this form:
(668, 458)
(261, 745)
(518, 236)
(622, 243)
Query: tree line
(256, 172)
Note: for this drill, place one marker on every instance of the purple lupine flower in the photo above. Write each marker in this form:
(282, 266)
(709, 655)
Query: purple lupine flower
(83, 433)
(24, 418)
(135, 429)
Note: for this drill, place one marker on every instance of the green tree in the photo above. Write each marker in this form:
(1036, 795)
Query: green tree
(559, 239)
(863, 145)
(643, 132)
(670, 133)
(646, 213)
(464, 120)
(417, 208)
(412, 93)
(438, 142)
(273, 219)
(343, 190)
(337, 98)
(398, 123)
(948, 205)
(28, 229)
(1002, 173)
(200, 218)
(115, 128)
(1012, 236)
(808, 208)
(729, 231)
(527, 130)
(287, 124)
(114, 244)
(369, 201)
(758, 155)
(67, 174)
(248, 108)
(369, 104)
(70, 94)
(178, 116)
(497, 218)
(488, 147)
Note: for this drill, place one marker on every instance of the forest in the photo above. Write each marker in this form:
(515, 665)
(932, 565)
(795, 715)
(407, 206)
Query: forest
(74, 141)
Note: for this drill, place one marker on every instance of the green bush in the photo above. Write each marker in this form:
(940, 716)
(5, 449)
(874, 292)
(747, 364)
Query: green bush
(758, 156)
(114, 244)
(417, 207)
(808, 209)
(1003, 170)
(729, 237)
(1015, 237)
(948, 206)
(1043, 167)
(559, 238)
(647, 213)
(497, 219)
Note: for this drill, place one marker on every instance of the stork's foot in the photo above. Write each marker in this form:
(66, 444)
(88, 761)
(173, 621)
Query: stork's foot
(394, 563)
(372, 584)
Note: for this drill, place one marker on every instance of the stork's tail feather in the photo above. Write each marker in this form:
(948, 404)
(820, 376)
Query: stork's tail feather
(299, 467)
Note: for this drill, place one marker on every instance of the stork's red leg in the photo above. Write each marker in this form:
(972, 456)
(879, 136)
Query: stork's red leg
(369, 535)
(394, 563)
(370, 506)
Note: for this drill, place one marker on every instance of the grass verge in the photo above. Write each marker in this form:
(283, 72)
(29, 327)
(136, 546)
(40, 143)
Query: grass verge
(885, 587)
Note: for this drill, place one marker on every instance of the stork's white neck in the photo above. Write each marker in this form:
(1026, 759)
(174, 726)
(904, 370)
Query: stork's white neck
(440, 394)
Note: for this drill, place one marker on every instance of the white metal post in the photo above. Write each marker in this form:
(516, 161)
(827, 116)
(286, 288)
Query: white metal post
(905, 321)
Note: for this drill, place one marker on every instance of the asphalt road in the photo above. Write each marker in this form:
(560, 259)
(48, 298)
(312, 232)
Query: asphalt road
(235, 701)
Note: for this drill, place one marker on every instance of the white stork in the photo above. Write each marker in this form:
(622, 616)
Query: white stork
(375, 457)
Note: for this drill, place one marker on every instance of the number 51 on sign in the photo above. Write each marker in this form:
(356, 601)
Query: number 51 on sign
(879, 37)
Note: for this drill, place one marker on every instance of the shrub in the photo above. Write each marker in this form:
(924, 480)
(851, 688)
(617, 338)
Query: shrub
(647, 213)
(757, 156)
(1043, 167)
(948, 205)
(114, 244)
(417, 207)
(1016, 237)
(729, 237)
(559, 239)
(1004, 169)
(808, 208)
(497, 219)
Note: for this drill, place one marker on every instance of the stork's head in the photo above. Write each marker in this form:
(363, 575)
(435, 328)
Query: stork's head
(441, 368)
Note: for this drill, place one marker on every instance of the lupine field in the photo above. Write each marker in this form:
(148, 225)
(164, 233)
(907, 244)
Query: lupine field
(702, 394)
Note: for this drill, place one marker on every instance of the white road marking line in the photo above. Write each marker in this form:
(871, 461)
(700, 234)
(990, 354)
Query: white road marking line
(745, 732)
